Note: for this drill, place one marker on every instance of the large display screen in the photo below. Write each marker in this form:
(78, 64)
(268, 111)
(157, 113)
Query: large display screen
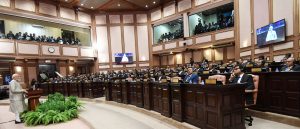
(272, 33)
(124, 58)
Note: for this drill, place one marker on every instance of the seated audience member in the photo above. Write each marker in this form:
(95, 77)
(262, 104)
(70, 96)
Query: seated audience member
(2, 35)
(38, 39)
(290, 66)
(77, 41)
(261, 61)
(25, 35)
(10, 35)
(181, 72)
(59, 40)
(33, 38)
(18, 36)
(191, 77)
(30, 37)
(191, 61)
(238, 76)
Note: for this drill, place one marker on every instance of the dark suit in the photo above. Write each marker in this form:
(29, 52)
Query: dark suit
(296, 68)
(249, 86)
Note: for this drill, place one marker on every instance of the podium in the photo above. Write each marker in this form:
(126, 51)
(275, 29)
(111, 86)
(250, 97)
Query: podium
(33, 98)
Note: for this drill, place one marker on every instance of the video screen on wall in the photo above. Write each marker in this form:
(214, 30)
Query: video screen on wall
(7, 79)
(2, 27)
(272, 33)
(123, 58)
(212, 19)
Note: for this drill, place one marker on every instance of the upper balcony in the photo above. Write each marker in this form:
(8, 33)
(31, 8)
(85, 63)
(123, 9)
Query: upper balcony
(21, 49)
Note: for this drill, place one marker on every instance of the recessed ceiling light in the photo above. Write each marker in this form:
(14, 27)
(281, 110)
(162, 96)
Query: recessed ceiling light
(146, 6)
(66, 0)
(154, 2)
(81, 4)
(119, 5)
(92, 7)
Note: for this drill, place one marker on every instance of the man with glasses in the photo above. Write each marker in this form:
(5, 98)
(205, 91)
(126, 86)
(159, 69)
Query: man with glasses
(290, 66)
(238, 76)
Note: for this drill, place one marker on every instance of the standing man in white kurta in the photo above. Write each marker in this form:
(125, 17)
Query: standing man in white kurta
(16, 97)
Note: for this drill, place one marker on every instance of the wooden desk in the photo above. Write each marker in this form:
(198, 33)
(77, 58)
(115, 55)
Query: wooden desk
(140, 94)
(177, 100)
(108, 90)
(132, 91)
(148, 93)
(157, 97)
(126, 92)
(117, 91)
(33, 98)
(279, 92)
(166, 107)
(207, 107)
(213, 107)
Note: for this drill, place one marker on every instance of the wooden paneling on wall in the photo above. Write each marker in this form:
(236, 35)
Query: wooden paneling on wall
(124, 33)
(27, 5)
(47, 9)
(67, 13)
(102, 44)
(245, 23)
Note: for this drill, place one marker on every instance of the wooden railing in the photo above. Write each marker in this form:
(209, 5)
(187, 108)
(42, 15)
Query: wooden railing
(23, 48)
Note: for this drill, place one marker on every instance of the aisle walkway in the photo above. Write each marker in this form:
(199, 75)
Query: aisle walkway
(103, 116)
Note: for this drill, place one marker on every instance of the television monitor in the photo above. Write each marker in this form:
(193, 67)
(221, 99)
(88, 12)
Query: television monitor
(2, 27)
(123, 58)
(272, 33)
(7, 79)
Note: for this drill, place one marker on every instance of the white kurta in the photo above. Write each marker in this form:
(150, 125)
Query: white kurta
(16, 97)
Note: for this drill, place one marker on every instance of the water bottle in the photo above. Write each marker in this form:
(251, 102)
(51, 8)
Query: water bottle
(276, 70)
(33, 87)
(202, 82)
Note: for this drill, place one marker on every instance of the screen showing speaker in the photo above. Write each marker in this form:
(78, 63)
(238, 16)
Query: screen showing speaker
(2, 27)
(124, 58)
(272, 33)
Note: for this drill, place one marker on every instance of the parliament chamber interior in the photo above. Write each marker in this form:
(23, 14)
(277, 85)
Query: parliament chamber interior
(150, 64)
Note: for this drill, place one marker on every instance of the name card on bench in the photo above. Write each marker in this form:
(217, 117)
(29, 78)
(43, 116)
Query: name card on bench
(205, 72)
(211, 81)
(163, 80)
(256, 70)
(249, 65)
(175, 79)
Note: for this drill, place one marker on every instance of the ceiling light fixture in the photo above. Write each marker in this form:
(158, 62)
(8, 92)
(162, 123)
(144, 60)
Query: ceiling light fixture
(81, 4)
(154, 2)
(66, 0)
(146, 6)
(92, 7)
(119, 5)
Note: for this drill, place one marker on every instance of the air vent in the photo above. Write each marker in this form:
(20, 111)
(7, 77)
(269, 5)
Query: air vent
(223, 45)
